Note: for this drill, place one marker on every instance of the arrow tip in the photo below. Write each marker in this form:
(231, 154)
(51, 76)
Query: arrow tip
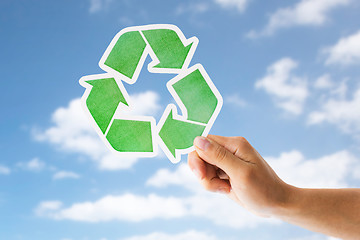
(177, 58)
(177, 134)
(168, 121)
(166, 133)
(105, 84)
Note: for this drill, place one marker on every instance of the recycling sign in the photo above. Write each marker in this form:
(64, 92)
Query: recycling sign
(192, 89)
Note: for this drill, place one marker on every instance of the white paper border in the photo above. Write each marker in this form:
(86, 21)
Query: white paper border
(155, 129)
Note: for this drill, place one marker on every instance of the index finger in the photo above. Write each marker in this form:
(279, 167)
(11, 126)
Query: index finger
(238, 146)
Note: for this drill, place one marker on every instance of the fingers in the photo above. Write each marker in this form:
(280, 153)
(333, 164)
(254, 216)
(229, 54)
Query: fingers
(197, 165)
(208, 174)
(215, 154)
(238, 146)
(221, 174)
(213, 183)
(218, 159)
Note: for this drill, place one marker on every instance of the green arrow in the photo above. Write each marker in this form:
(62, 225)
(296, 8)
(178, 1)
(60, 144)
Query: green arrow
(178, 134)
(197, 96)
(103, 100)
(126, 53)
(167, 47)
(130, 136)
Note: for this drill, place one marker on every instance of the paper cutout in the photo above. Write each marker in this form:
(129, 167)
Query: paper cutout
(192, 89)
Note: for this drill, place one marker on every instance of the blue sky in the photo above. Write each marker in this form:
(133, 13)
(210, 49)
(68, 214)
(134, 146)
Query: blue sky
(289, 75)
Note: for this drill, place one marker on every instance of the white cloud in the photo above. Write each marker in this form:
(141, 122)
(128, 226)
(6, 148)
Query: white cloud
(72, 131)
(65, 174)
(143, 104)
(235, 101)
(98, 5)
(345, 52)
(95, 5)
(135, 208)
(239, 5)
(214, 207)
(340, 111)
(304, 13)
(4, 170)
(324, 82)
(112, 162)
(47, 206)
(356, 172)
(188, 235)
(224, 212)
(124, 20)
(182, 176)
(328, 171)
(34, 165)
(198, 7)
(127, 207)
(192, 7)
(288, 91)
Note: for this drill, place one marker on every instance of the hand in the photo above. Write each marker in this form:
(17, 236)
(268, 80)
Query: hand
(232, 166)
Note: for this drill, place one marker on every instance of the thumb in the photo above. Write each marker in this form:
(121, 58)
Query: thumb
(215, 154)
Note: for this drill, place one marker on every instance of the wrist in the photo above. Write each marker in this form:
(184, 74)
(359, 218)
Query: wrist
(291, 203)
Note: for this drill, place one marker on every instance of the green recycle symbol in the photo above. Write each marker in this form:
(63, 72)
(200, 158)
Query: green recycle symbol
(192, 89)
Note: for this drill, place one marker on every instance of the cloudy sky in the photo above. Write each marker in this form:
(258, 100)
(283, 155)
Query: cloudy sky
(289, 75)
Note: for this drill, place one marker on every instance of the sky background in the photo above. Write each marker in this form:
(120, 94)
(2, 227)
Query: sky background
(289, 75)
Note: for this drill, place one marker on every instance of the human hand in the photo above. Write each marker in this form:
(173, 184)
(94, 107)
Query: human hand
(232, 166)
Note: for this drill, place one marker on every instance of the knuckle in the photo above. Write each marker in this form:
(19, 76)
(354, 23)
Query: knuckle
(220, 154)
(241, 140)
(242, 147)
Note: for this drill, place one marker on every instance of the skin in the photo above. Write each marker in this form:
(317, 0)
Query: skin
(230, 165)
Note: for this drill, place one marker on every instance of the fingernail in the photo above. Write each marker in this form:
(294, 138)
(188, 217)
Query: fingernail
(201, 143)
(197, 173)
